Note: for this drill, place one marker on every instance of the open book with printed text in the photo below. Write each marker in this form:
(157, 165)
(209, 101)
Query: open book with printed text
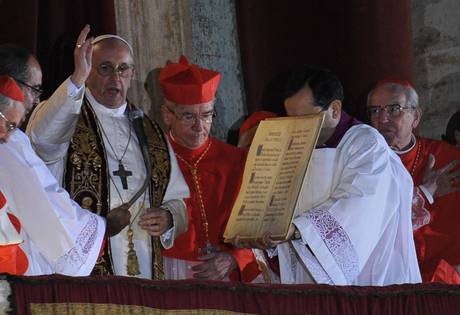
(273, 176)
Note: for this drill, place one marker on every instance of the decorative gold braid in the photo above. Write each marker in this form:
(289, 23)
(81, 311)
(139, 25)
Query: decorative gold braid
(84, 174)
(194, 171)
(87, 180)
(161, 171)
(158, 270)
(417, 156)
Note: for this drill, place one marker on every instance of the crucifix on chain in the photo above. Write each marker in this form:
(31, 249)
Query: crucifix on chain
(123, 174)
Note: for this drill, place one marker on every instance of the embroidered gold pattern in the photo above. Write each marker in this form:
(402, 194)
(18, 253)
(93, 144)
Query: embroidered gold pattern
(87, 180)
(117, 309)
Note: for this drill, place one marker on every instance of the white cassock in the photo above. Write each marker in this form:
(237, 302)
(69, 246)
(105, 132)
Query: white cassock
(51, 127)
(59, 236)
(354, 216)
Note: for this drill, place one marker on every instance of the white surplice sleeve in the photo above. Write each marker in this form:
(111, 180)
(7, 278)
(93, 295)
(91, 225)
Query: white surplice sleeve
(54, 227)
(356, 227)
(53, 123)
(173, 201)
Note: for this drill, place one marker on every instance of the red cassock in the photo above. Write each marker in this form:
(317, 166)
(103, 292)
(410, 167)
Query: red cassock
(219, 171)
(13, 260)
(440, 239)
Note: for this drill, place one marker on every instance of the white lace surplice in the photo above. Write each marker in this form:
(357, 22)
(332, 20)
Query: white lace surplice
(355, 215)
(59, 236)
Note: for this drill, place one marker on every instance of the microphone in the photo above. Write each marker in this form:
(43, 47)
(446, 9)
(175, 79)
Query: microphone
(136, 116)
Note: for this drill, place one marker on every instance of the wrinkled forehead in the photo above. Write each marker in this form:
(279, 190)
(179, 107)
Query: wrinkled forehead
(386, 95)
(112, 50)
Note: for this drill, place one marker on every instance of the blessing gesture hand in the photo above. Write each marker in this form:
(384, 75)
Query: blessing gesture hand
(441, 182)
(82, 56)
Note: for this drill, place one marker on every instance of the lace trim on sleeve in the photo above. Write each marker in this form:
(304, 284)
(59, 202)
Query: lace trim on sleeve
(337, 241)
(72, 261)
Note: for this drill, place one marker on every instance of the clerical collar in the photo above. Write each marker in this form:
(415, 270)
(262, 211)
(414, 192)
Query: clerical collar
(98, 107)
(413, 141)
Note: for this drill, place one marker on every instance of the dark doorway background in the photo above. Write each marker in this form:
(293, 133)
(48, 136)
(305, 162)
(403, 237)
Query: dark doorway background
(49, 29)
(362, 41)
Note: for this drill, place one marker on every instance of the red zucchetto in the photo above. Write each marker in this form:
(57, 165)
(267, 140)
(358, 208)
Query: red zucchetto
(10, 89)
(404, 83)
(254, 119)
(188, 84)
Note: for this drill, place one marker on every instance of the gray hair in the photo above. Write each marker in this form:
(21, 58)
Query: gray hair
(5, 103)
(396, 88)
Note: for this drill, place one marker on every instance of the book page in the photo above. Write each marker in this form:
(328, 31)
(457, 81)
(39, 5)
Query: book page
(275, 168)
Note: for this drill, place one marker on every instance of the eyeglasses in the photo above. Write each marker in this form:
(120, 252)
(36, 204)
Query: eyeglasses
(124, 70)
(36, 90)
(191, 119)
(10, 126)
(393, 110)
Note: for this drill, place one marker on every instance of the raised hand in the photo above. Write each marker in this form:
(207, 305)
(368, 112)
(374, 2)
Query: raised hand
(441, 182)
(156, 221)
(82, 56)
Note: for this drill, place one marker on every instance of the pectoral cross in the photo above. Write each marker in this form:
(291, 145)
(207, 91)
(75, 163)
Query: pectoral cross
(123, 174)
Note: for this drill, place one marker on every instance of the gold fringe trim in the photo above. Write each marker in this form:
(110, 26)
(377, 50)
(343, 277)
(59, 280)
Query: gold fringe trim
(116, 309)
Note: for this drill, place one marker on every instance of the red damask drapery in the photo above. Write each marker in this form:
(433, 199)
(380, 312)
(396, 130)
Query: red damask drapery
(123, 295)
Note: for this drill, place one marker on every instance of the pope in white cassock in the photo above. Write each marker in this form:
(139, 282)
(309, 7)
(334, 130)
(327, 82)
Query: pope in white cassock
(57, 235)
(353, 219)
(86, 133)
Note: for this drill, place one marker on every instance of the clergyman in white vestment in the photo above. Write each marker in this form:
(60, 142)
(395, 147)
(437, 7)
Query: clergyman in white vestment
(58, 236)
(353, 219)
(54, 123)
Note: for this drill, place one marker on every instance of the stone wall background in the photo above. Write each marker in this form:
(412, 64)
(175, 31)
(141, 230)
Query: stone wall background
(436, 32)
(204, 30)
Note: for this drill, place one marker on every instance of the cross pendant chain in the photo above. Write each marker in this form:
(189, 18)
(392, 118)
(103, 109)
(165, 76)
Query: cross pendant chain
(123, 174)
(204, 220)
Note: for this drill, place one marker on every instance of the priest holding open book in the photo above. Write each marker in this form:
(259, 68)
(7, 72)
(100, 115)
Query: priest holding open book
(351, 223)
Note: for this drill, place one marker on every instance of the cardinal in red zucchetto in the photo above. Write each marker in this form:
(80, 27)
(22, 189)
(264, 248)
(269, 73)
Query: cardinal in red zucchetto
(213, 171)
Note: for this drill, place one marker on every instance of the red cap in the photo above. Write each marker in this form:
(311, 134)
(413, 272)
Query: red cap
(9, 88)
(188, 84)
(404, 83)
(254, 119)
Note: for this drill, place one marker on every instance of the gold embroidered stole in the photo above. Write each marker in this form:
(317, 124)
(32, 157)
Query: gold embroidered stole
(86, 177)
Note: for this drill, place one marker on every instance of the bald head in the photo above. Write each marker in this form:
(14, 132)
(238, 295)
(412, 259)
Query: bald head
(112, 72)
